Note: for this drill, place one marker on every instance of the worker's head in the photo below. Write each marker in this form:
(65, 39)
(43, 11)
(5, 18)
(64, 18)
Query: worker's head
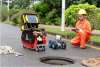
(82, 14)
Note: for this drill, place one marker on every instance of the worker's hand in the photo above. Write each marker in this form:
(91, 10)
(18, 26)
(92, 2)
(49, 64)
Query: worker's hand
(39, 33)
(75, 29)
(35, 33)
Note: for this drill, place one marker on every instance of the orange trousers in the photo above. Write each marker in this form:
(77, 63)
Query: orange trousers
(80, 39)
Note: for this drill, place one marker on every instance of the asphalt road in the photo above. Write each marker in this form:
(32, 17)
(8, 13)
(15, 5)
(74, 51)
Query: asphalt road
(10, 35)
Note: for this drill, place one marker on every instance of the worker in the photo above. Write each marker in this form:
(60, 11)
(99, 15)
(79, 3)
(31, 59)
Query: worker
(82, 29)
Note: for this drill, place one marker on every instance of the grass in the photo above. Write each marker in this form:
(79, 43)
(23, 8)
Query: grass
(69, 34)
(58, 31)
(95, 38)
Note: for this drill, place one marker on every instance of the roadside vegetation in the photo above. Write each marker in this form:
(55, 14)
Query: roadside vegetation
(68, 34)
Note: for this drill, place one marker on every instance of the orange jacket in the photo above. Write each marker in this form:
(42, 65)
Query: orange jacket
(84, 25)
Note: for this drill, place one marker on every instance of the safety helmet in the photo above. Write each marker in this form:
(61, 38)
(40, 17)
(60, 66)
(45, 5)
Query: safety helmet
(82, 11)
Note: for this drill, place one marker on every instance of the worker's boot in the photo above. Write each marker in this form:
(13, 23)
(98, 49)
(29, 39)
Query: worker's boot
(83, 47)
(75, 46)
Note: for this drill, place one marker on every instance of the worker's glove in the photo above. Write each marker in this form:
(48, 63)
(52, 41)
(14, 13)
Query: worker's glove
(75, 30)
(80, 30)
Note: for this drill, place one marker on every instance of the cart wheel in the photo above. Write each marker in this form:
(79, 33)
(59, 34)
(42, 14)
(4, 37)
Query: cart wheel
(37, 49)
(24, 47)
(63, 45)
(50, 44)
(43, 48)
(54, 45)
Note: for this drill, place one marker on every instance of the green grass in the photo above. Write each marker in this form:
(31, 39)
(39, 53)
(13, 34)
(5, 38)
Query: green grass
(69, 34)
(58, 31)
(95, 38)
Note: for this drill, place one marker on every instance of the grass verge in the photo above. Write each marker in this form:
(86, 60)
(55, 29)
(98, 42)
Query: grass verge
(69, 34)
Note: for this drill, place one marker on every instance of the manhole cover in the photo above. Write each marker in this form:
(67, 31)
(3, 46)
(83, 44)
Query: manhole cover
(91, 62)
(56, 60)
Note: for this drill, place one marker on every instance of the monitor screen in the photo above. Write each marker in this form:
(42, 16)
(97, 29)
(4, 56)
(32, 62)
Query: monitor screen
(32, 19)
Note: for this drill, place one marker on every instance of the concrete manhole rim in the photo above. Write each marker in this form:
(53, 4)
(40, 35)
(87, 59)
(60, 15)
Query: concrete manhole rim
(91, 62)
(46, 59)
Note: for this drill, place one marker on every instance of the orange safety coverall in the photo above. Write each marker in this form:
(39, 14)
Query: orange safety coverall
(83, 35)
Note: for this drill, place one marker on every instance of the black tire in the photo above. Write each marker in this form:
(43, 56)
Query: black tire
(50, 44)
(24, 47)
(43, 48)
(54, 45)
(40, 48)
(37, 49)
(63, 45)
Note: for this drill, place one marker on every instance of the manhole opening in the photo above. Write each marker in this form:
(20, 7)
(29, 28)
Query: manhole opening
(57, 60)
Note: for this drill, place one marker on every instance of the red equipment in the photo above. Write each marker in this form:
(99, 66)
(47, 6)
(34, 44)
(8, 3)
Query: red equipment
(32, 36)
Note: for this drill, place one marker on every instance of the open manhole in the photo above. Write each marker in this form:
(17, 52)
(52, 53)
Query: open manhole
(56, 60)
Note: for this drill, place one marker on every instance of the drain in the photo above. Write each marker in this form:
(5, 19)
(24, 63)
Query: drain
(56, 60)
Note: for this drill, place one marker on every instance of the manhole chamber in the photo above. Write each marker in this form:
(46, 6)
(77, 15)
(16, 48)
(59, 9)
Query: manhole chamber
(56, 60)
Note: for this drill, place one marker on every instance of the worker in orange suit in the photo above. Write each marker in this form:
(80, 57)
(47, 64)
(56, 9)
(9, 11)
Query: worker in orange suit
(82, 29)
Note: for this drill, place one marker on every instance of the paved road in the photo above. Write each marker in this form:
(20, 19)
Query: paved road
(10, 35)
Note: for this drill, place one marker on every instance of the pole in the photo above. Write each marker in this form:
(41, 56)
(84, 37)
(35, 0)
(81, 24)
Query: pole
(0, 19)
(63, 16)
(8, 8)
(0, 10)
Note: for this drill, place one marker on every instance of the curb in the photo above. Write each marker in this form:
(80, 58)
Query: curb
(94, 47)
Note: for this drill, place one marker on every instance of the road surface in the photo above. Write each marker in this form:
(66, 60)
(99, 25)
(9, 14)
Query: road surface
(10, 35)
